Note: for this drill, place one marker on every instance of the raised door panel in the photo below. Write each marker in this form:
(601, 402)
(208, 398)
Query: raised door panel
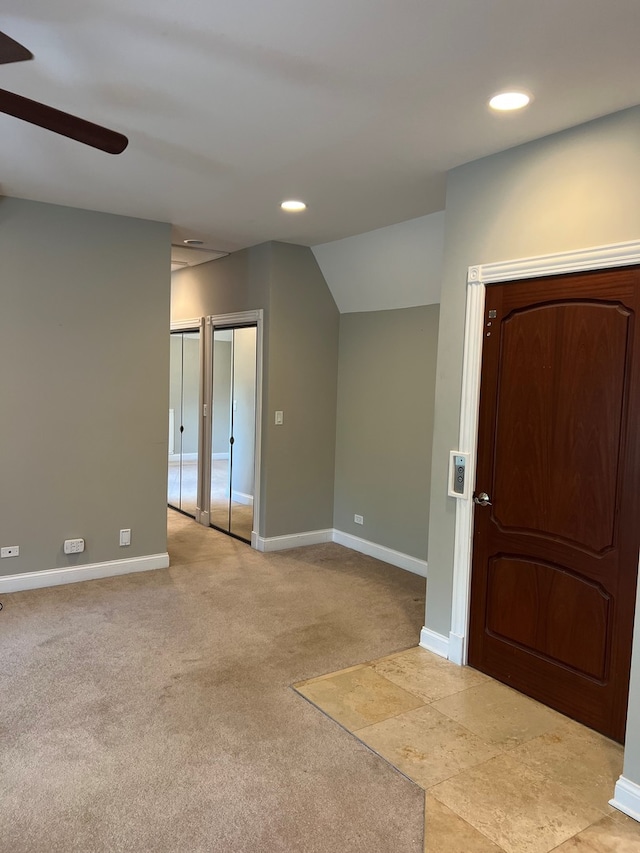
(558, 421)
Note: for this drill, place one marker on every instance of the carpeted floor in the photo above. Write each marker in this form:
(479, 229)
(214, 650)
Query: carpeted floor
(153, 712)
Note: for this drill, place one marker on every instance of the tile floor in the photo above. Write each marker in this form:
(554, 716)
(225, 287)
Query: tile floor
(501, 773)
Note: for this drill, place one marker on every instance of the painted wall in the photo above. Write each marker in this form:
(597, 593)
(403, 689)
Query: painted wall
(573, 190)
(395, 267)
(237, 282)
(300, 377)
(84, 363)
(386, 391)
(632, 746)
(303, 370)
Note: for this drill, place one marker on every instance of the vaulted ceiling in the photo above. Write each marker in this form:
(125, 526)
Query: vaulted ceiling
(359, 107)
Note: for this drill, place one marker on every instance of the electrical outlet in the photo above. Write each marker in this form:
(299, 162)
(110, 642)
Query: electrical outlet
(359, 519)
(10, 551)
(125, 537)
(73, 546)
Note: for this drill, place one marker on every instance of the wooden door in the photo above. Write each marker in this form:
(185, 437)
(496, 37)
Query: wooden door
(555, 555)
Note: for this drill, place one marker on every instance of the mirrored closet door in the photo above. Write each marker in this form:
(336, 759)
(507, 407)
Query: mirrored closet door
(184, 410)
(233, 429)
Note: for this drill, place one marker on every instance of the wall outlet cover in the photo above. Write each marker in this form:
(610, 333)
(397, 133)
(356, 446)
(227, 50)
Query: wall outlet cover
(10, 551)
(73, 546)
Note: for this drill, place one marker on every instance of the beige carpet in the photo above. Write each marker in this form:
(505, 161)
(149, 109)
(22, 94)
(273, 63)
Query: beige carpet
(153, 712)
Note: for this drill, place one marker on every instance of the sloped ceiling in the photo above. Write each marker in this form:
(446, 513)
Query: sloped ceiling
(395, 267)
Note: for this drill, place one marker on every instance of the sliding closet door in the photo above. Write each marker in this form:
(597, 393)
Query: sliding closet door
(233, 435)
(184, 396)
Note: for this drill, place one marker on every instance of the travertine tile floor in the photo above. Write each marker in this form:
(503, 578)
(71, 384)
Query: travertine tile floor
(500, 771)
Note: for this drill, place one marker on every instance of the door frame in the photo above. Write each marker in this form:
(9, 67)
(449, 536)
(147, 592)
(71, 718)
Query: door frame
(213, 321)
(478, 277)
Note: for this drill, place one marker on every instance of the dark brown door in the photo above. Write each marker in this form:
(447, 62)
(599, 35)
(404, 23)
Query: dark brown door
(555, 555)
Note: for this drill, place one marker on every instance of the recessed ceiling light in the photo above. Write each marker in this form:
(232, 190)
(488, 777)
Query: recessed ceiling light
(504, 101)
(193, 242)
(293, 206)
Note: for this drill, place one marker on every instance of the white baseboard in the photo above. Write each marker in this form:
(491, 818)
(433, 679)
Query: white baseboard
(185, 457)
(220, 455)
(433, 642)
(317, 537)
(242, 498)
(74, 574)
(457, 651)
(626, 798)
(293, 540)
(381, 552)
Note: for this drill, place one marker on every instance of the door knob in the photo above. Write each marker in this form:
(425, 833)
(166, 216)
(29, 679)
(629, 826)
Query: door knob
(482, 499)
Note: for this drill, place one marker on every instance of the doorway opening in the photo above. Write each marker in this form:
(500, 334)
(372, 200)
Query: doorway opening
(215, 414)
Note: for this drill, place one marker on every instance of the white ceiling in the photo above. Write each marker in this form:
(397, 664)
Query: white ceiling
(357, 106)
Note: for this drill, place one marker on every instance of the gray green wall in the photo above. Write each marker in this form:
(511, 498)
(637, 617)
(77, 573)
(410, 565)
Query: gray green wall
(300, 377)
(84, 377)
(386, 390)
(632, 745)
(303, 370)
(569, 191)
(381, 418)
(238, 282)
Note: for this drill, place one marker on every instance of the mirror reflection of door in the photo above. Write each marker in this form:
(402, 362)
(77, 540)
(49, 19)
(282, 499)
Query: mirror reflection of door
(184, 391)
(233, 430)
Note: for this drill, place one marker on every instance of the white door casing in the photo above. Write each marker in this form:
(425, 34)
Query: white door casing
(478, 277)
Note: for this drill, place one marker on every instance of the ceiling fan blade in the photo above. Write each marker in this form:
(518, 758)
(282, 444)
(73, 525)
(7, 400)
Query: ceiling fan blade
(62, 123)
(12, 51)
